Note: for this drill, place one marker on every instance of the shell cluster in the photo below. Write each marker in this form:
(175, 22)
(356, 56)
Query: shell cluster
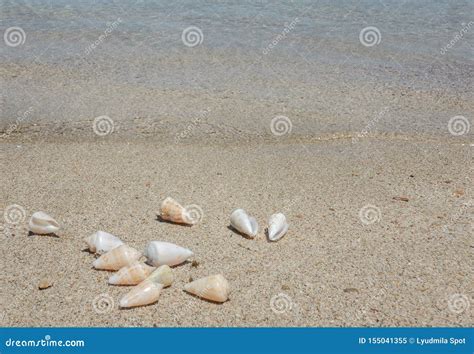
(149, 272)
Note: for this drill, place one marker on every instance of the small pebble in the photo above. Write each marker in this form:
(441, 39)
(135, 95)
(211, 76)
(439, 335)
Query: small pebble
(45, 284)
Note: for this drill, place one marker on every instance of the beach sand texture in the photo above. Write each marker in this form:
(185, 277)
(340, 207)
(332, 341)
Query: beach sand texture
(367, 150)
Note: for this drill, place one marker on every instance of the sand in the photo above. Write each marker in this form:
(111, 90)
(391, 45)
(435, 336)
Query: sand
(405, 269)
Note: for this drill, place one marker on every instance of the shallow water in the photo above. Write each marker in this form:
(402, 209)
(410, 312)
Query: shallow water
(283, 52)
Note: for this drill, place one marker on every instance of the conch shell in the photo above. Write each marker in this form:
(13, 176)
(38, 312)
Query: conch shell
(214, 288)
(244, 223)
(172, 211)
(117, 258)
(159, 253)
(131, 275)
(101, 242)
(277, 227)
(42, 224)
(149, 290)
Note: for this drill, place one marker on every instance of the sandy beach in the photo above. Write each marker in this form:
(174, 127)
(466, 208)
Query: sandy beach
(367, 148)
(333, 269)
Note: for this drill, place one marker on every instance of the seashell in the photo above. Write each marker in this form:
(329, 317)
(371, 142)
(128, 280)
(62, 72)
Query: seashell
(214, 288)
(42, 224)
(277, 226)
(145, 293)
(117, 258)
(159, 253)
(148, 291)
(171, 210)
(101, 242)
(131, 274)
(244, 223)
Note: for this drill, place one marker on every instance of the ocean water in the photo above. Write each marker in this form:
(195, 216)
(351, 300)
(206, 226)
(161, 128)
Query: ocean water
(264, 50)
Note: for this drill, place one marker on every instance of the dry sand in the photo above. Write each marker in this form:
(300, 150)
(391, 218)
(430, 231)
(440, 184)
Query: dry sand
(329, 270)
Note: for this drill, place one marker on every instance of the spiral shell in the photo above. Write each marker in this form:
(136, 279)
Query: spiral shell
(42, 224)
(214, 287)
(101, 242)
(131, 274)
(145, 293)
(244, 223)
(172, 211)
(117, 258)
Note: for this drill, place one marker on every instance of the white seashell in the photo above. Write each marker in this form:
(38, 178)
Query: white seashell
(145, 293)
(277, 227)
(214, 287)
(131, 274)
(117, 258)
(101, 242)
(244, 223)
(149, 290)
(171, 210)
(159, 253)
(41, 224)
